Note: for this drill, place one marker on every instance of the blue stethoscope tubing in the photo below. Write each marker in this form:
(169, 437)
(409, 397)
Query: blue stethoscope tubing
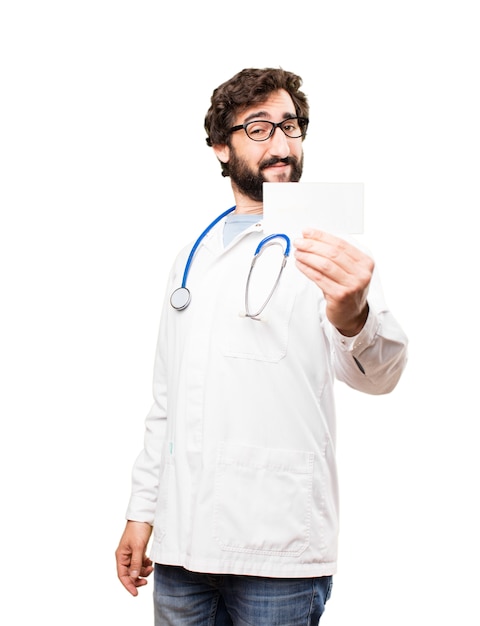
(181, 296)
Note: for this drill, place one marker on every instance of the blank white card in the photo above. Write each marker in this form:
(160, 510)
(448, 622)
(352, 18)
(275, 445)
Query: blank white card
(333, 207)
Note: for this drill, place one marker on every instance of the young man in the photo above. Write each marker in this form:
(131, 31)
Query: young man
(237, 477)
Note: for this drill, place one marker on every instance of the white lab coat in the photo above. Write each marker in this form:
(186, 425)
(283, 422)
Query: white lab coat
(238, 472)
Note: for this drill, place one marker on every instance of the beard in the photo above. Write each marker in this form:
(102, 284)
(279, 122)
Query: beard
(250, 182)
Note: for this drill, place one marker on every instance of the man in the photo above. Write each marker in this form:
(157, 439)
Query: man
(237, 477)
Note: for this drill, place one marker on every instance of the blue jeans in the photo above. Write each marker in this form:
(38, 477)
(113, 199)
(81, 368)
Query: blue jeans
(184, 598)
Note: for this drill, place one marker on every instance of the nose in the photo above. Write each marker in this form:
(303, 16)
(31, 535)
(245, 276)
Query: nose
(279, 146)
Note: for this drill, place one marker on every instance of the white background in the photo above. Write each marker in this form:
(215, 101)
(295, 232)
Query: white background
(105, 173)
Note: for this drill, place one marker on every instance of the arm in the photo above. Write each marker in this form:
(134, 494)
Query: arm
(132, 563)
(369, 347)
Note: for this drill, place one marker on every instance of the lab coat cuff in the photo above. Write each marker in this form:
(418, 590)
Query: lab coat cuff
(140, 510)
(364, 338)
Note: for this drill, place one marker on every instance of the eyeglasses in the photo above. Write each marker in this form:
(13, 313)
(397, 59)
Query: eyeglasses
(261, 130)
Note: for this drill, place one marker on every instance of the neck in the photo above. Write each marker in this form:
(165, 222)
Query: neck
(244, 204)
(253, 208)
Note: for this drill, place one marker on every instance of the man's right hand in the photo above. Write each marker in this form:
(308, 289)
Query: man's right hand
(133, 565)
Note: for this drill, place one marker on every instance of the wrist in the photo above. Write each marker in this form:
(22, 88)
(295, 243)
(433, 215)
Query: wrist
(356, 326)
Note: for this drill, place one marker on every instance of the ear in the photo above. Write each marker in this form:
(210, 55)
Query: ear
(222, 152)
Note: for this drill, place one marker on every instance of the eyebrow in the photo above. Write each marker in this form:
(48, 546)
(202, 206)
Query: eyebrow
(258, 114)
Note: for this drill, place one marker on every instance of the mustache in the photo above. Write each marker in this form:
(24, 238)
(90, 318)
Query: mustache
(273, 161)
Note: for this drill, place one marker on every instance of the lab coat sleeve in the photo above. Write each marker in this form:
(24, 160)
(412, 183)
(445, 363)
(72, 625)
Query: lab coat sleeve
(373, 360)
(145, 473)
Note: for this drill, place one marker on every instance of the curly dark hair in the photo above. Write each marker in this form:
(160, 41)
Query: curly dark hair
(249, 86)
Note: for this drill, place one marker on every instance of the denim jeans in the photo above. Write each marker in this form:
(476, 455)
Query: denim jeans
(184, 598)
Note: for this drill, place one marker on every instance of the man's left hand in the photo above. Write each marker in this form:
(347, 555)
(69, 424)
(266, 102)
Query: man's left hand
(342, 272)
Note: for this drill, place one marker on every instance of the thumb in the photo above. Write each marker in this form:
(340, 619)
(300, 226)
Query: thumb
(136, 563)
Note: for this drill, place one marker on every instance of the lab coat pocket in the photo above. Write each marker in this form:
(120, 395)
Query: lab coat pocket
(263, 500)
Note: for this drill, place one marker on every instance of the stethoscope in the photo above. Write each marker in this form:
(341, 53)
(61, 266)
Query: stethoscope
(181, 297)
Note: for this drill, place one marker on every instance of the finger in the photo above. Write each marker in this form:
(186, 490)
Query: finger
(129, 584)
(331, 281)
(325, 261)
(146, 570)
(135, 567)
(322, 236)
(147, 567)
(326, 244)
(342, 265)
(140, 565)
(124, 574)
(131, 579)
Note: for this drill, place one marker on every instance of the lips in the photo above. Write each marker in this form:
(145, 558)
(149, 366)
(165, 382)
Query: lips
(276, 163)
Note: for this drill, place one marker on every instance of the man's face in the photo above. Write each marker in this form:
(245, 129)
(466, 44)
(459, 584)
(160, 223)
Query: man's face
(278, 159)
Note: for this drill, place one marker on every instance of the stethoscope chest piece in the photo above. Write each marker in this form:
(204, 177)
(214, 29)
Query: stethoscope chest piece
(180, 298)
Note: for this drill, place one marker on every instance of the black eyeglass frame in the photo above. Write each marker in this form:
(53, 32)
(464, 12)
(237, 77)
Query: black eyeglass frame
(302, 122)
